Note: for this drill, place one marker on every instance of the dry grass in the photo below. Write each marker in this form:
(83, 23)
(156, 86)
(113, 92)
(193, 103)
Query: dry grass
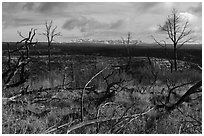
(65, 103)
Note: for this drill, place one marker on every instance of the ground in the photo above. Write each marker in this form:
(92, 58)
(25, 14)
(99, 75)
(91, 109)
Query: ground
(120, 99)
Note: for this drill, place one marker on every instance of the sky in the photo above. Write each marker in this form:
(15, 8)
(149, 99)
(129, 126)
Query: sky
(99, 20)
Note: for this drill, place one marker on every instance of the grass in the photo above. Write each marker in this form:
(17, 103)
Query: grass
(133, 96)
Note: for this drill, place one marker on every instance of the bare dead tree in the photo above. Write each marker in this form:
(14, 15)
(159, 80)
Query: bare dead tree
(50, 33)
(16, 69)
(177, 30)
(127, 42)
(192, 90)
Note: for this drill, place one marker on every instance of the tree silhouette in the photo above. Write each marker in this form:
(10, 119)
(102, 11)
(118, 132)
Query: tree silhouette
(50, 33)
(127, 43)
(177, 30)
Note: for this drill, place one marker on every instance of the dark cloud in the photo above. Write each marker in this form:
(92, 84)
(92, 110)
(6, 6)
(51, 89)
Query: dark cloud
(50, 7)
(28, 6)
(116, 24)
(16, 14)
(38, 7)
(104, 19)
(196, 9)
(145, 6)
(45, 7)
(11, 7)
(10, 21)
(148, 5)
(85, 25)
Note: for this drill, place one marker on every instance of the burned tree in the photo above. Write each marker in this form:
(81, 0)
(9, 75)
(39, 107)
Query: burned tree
(177, 30)
(127, 43)
(15, 72)
(50, 33)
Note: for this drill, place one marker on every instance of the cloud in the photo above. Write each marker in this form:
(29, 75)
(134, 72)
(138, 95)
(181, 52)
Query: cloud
(28, 6)
(31, 13)
(183, 17)
(152, 7)
(11, 7)
(16, 21)
(153, 28)
(196, 9)
(19, 22)
(194, 25)
(188, 16)
(89, 24)
(104, 19)
(36, 7)
(145, 6)
(50, 7)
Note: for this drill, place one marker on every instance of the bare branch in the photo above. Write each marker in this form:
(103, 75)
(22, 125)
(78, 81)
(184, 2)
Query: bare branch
(53, 30)
(184, 33)
(43, 34)
(85, 123)
(123, 40)
(190, 91)
(172, 89)
(199, 122)
(34, 32)
(170, 29)
(29, 34)
(176, 31)
(82, 94)
(20, 34)
(167, 28)
(159, 43)
(48, 26)
(53, 34)
(57, 34)
(50, 34)
(186, 41)
(17, 68)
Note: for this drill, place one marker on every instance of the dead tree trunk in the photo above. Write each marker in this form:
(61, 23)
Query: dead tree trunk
(49, 56)
(175, 58)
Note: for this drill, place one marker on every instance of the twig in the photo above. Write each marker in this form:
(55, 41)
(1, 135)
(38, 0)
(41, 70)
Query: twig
(67, 124)
(172, 89)
(89, 122)
(131, 119)
(190, 91)
(98, 112)
(180, 128)
(120, 119)
(200, 123)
